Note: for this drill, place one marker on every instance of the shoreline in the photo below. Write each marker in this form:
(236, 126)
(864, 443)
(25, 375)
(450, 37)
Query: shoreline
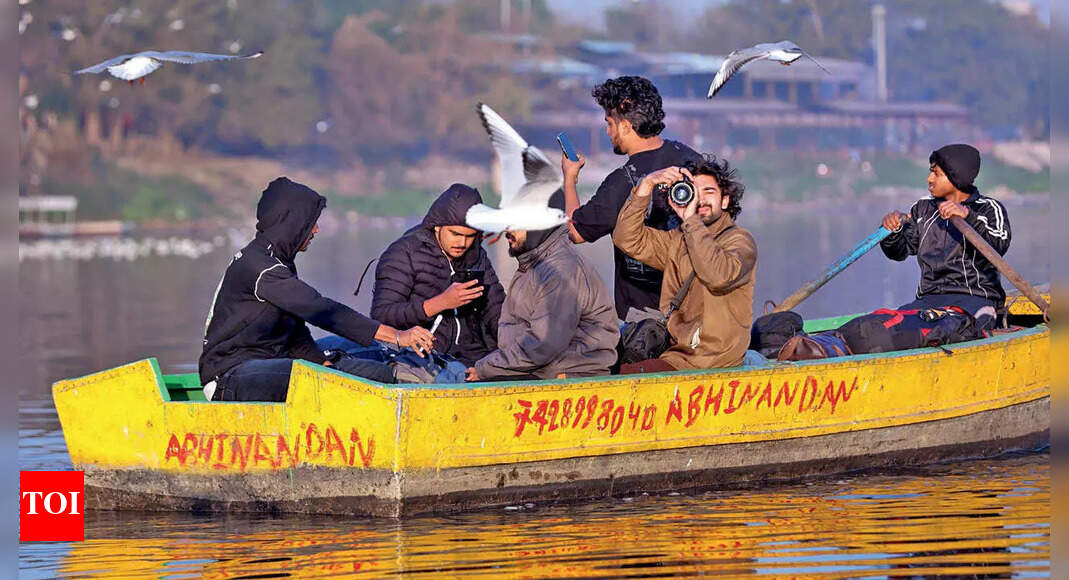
(755, 202)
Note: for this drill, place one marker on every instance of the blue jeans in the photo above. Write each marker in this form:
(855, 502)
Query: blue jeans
(354, 349)
(269, 379)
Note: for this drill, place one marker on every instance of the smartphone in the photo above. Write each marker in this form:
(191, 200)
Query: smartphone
(566, 146)
(469, 275)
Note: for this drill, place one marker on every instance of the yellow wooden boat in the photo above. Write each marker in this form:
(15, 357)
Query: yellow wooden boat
(344, 445)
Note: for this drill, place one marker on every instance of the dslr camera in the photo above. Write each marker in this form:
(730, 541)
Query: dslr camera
(680, 193)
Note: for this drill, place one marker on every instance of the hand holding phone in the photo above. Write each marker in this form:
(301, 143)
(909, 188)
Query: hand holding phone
(469, 275)
(566, 146)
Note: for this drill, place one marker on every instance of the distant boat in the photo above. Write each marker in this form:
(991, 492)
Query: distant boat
(53, 216)
(149, 441)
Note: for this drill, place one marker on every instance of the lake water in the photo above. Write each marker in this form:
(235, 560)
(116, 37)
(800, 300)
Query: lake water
(91, 305)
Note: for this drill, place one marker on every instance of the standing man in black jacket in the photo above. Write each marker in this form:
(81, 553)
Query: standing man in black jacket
(634, 119)
(952, 272)
(416, 280)
(256, 324)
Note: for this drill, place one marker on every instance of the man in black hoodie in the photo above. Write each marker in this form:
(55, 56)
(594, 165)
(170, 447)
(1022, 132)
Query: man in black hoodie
(256, 325)
(953, 273)
(416, 280)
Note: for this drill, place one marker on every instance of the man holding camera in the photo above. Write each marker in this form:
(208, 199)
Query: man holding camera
(557, 319)
(633, 121)
(711, 328)
(438, 275)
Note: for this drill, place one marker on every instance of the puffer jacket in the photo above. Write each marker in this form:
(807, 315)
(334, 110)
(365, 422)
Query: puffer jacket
(949, 265)
(558, 317)
(414, 268)
(712, 326)
(260, 306)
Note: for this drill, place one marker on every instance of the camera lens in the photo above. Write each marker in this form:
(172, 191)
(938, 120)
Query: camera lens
(681, 193)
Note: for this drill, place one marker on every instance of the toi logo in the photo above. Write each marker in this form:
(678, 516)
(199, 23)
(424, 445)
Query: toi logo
(51, 506)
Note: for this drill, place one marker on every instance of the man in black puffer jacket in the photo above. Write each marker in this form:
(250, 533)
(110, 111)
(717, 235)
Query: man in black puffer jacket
(256, 324)
(414, 280)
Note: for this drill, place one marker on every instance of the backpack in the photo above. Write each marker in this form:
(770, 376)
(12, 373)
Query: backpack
(814, 346)
(770, 332)
(888, 330)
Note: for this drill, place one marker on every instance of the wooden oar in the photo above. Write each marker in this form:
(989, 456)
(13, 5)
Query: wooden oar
(992, 256)
(833, 270)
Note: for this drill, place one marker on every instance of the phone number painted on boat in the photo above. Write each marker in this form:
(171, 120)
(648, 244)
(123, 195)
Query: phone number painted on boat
(538, 417)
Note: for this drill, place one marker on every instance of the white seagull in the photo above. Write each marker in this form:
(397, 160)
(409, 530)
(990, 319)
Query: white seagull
(131, 67)
(784, 52)
(528, 180)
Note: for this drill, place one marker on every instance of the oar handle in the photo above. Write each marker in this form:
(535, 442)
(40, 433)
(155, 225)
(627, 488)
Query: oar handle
(1003, 266)
(833, 270)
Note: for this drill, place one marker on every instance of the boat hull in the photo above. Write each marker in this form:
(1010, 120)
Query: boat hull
(345, 446)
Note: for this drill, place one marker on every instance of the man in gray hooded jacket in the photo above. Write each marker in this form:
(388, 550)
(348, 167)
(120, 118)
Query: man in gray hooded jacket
(558, 318)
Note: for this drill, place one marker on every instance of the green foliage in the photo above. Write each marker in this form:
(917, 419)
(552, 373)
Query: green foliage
(397, 203)
(120, 194)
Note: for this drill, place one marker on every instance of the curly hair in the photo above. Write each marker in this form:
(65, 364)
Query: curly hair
(635, 99)
(727, 178)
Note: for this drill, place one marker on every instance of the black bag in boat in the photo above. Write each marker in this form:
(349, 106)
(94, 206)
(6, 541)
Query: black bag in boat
(887, 330)
(770, 332)
(643, 340)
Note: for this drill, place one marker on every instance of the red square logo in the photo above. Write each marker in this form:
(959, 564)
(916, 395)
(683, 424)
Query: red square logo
(51, 506)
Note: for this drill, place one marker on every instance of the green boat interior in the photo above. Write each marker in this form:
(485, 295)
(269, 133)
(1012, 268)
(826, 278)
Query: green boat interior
(187, 387)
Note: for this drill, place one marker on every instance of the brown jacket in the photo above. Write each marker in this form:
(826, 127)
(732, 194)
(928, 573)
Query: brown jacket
(712, 326)
(557, 317)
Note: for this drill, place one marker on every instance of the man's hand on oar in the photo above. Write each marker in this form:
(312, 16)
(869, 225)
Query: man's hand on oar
(999, 262)
(894, 220)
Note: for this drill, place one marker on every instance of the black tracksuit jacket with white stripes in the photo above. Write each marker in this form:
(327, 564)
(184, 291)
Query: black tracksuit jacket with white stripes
(949, 264)
(261, 306)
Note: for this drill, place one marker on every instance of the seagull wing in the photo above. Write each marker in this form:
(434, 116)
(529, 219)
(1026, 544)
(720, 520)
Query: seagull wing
(543, 179)
(732, 64)
(510, 148)
(810, 57)
(183, 57)
(101, 67)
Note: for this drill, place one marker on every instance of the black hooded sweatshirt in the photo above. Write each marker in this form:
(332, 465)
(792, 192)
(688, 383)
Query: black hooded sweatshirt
(415, 268)
(260, 307)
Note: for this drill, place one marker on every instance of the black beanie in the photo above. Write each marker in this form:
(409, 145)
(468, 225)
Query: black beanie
(960, 162)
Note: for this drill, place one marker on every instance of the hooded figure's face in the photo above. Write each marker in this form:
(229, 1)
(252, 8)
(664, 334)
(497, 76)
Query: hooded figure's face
(455, 240)
(446, 219)
(517, 239)
(286, 216)
(315, 230)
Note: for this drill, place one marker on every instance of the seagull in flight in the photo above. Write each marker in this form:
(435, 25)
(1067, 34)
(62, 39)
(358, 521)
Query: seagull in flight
(528, 180)
(784, 52)
(132, 67)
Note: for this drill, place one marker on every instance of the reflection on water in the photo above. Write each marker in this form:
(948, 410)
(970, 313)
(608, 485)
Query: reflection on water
(82, 315)
(980, 519)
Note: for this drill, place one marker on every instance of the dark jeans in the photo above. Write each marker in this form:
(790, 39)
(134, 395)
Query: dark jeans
(375, 352)
(974, 305)
(269, 379)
